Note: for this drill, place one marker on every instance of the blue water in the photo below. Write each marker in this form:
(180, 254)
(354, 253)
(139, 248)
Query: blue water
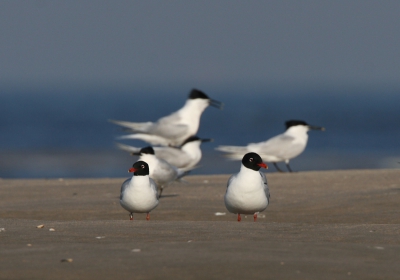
(65, 133)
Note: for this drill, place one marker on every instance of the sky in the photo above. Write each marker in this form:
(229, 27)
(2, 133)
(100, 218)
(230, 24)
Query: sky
(183, 44)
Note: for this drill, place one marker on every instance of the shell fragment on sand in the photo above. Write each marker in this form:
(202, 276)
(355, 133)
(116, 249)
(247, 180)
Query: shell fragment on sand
(220, 214)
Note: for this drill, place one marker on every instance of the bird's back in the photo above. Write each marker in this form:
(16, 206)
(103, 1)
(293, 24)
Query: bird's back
(278, 148)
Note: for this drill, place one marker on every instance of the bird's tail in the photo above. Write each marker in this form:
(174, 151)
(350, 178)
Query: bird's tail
(132, 126)
(233, 152)
(182, 173)
(129, 149)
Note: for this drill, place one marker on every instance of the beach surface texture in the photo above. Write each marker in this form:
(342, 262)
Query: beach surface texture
(319, 225)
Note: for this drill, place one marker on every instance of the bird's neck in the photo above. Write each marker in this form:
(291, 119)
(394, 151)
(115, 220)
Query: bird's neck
(139, 180)
(250, 178)
(191, 112)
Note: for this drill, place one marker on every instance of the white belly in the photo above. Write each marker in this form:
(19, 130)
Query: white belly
(246, 197)
(139, 200)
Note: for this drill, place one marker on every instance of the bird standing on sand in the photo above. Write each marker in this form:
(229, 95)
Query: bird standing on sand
(282, 147)
(160, 170)
(139, 193)
(174, 129)
(185, 157)
(247, 191)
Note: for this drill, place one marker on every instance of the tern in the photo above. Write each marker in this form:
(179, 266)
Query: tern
(184, 157)
(247, 191)
(139, 193)
(160, 170)
(282, 147)
(174, 129)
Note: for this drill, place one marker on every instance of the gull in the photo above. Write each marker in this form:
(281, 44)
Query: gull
(184, 157)
(174, 129)
(282, 147)
(139, 193)
(160, 170)
(247, 191)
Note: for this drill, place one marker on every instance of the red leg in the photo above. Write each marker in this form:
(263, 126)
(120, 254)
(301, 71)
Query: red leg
(239, 218)
(131, 217)
(255, 217)
(148, 216)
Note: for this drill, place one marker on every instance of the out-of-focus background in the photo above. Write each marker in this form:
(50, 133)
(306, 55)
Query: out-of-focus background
(66, 67)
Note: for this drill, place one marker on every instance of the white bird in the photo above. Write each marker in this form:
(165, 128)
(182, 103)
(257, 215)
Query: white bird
(185, 157)
(174, 129)
(139, 193)
(247, 191)
(160, 170)
(282, 147)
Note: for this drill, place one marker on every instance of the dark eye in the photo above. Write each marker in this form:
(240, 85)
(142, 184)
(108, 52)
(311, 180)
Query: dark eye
(142, 165)
(251, 159)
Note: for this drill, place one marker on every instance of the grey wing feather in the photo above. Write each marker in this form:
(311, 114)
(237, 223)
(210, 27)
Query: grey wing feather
(266, 188)
(123, 187)
(169, 130)
(174, 156)
(137, 127)
(166, 171)
(274, 145)
(279, 146)
(171, 118)
(233, 177)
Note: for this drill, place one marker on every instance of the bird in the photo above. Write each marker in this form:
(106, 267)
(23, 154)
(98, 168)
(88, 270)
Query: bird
(247, 192)
(139, 193)
(160, 170)
(282, 147)
(184, 157)
(174, 129)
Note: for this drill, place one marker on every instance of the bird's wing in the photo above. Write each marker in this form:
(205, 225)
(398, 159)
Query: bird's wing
(124, 186)
(174, 156)
(173, 118)
(135, 127)
(266, 188)
(280, 146)
(153, 186)
(231, 179)
(169, 130)
(166, 171)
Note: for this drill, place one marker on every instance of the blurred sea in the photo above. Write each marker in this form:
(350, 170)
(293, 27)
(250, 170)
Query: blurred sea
(65, 133)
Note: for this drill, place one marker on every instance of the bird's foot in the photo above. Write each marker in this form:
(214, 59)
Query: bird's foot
(131, 217)
(148, 217)
(255, 217)
(239, 218)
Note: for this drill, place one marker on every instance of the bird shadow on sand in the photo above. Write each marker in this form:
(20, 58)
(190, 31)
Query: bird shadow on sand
(169, 195)
(163, 196)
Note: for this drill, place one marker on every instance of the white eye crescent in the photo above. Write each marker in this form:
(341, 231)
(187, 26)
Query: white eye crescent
(142, 165)
(251, 159)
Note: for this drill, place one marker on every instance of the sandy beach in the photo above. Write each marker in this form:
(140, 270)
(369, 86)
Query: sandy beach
(319, 225)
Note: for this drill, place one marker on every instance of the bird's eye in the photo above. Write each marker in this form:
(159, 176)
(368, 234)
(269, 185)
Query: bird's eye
(251, 159)
(142, 165)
